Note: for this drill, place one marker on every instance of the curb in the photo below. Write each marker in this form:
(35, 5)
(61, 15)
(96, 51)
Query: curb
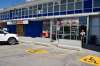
(70, 47)
(60, 46)
(43, 44)
(53, 44)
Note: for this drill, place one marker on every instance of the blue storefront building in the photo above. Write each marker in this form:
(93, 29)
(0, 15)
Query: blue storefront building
(61, 18)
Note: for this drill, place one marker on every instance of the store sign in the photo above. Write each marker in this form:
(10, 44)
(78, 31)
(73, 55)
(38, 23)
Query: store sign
(22, 22)
(11, 23)
(72, 22)
(19, 22)
(91, 60)
(25, 22)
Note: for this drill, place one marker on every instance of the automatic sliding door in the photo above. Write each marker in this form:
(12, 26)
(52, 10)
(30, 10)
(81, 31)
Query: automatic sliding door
(71, 28)
(67, 28)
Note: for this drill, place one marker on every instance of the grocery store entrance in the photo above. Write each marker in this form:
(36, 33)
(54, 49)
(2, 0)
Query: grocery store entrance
(66, 29)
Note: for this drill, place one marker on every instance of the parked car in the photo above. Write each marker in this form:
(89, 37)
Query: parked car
(9, 38)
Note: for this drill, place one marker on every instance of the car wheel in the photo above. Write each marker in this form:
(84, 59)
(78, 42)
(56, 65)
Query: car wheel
(12, 41)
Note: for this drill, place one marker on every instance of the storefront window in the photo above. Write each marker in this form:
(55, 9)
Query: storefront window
(96, 3)
(4, 15)
(71, 28)
(24, 11)
(44, 8)
(63, 1)
(19, 12)
(50, 7)
(70, 0)
(56, 8)
(13, 15)
(40, 10)
(63, 7)
(71, 6)
(16, 12)
(66, 29)
(46, 25)
(50, 4)
(34, 10)
(78, 5)
(57, 3)
(0, 15)
(30, 10)
(78, 0)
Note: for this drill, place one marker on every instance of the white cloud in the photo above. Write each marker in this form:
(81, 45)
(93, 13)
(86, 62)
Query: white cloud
(28, 0)
(31, 0)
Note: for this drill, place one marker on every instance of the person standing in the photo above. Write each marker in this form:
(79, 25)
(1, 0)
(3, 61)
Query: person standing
(82, 34)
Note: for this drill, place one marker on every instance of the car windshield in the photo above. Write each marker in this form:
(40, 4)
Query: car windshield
(5, 31)
(2, 31)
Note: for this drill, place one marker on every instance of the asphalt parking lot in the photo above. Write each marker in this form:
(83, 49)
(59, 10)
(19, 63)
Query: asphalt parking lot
(16, 55)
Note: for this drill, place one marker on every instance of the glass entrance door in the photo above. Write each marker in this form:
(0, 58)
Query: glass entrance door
(66, 29)
(71, 29)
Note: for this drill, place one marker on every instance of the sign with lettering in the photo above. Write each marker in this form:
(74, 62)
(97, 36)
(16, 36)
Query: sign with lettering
(91, 60)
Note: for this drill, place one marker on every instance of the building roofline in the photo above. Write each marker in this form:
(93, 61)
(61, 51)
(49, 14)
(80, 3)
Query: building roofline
(27, 4)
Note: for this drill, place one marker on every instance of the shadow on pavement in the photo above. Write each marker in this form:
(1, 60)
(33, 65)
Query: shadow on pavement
(92, 47)
(4, 43)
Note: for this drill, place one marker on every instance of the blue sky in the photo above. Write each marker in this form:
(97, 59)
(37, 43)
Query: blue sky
(10, 3)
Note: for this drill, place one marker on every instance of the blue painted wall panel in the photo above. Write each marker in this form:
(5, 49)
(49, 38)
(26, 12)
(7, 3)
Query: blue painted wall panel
(78, 11)
(26, 16)
(63, 13)
(50, 14)
(87, 4)
(87, 10)
(56, 13)
(39, 15)
(11, 28)
(96, 10)
(70, 12)
(34, 29)
(34, 15)
(30, 15)
(45, 14)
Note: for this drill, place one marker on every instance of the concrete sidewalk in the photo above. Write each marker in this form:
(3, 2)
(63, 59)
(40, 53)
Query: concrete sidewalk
(61, 43)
